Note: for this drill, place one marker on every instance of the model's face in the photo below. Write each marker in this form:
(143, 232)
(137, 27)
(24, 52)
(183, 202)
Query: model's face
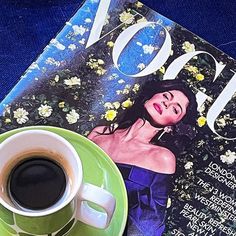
(167, 108)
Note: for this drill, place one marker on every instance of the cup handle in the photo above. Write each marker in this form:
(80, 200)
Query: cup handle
(100, 197)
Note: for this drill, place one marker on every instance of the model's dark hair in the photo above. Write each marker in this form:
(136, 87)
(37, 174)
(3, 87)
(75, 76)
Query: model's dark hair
(173, 141)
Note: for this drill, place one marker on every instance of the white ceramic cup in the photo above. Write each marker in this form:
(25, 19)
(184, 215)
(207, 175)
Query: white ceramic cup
(74, 202)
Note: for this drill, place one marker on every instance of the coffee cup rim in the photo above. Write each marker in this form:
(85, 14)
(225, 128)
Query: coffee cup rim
(76, 185)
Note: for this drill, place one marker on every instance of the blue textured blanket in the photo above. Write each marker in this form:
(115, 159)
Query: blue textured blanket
(26, 27)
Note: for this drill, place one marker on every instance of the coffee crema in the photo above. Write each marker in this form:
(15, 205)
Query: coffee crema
(36, 183)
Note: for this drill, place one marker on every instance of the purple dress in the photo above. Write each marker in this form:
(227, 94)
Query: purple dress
(147, 194)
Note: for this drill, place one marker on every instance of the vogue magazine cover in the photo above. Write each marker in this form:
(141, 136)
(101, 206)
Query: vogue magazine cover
(159, 100)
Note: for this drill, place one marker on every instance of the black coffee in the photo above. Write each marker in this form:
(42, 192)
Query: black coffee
(37, 183)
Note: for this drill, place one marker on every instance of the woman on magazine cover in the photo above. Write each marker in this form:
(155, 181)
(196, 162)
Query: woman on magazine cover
(146, 160)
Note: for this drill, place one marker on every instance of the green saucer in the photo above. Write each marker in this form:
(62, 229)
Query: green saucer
(99, 170)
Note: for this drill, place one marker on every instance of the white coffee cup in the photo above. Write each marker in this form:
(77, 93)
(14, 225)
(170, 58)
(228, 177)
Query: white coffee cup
(73, 203)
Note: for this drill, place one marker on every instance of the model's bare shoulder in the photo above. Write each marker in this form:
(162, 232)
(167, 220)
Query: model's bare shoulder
(96, 131)
(164, 159)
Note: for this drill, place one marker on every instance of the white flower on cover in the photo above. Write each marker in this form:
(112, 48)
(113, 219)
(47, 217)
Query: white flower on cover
(116, 105)
(106, 22)
(143, 19)
(188, 47)
(100, 71)
(100, 62)
(138, 4)
(126, 91)
(45, 110)
(52, 61)
(7, 121)
(121, 81)
(21, 115)
(192, 69)
(188, 165)
(72, 47)
(72, 117)
(33, 66)
(113, 76)
(229, 157)
(57, 78)
(79, 29)
(57, 44)
(139, 44)
(168, 205)
(141, 66)
(221, 122)
(127, 86)
(148, 49)
(136, 88)
(72, 81)
(82, 41)
(108, 105)
(126, 17)
(88, 20)
(91, 117)
(201, 109)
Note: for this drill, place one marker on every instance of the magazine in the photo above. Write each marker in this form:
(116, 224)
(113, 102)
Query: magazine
(159, 100)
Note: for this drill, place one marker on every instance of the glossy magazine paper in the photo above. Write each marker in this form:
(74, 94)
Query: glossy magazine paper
(159, 100)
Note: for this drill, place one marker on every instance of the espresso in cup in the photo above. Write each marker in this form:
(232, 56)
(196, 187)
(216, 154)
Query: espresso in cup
(36, 180)
(36, 183)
